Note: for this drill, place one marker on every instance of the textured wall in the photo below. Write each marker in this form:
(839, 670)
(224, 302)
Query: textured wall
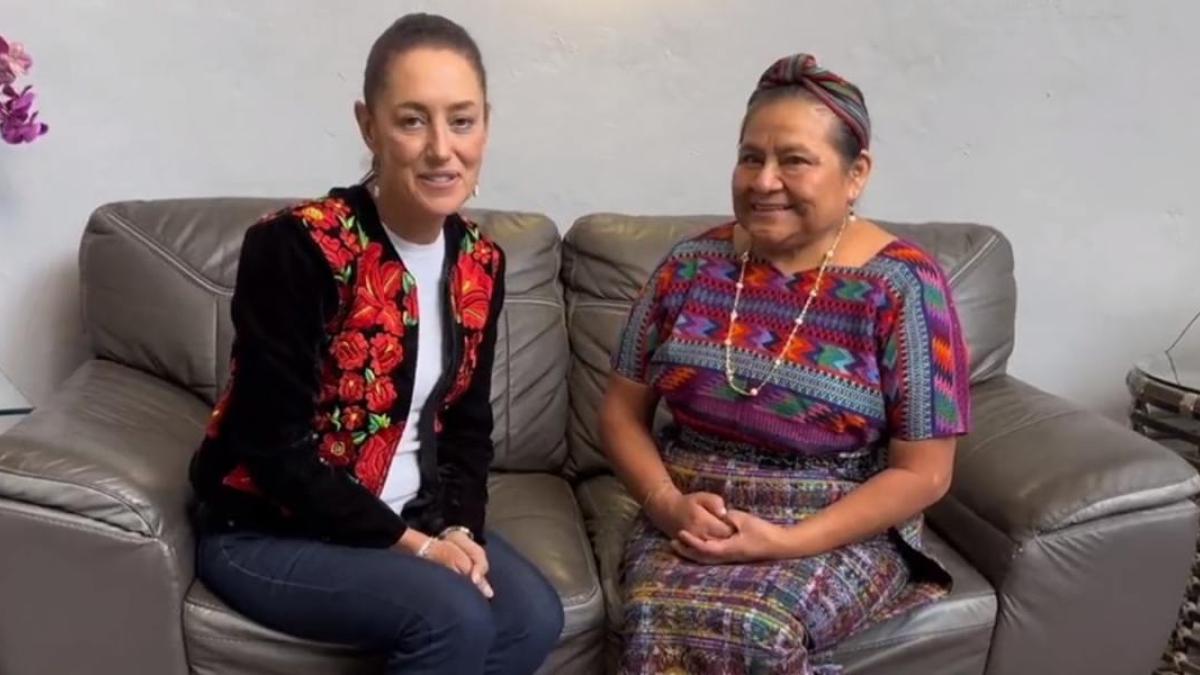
(1071, 125)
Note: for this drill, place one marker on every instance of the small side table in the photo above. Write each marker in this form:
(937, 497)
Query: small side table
(1166, 407)
(1166, 401)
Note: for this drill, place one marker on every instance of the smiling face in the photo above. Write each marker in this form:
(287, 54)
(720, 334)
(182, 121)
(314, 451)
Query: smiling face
(427, 128)
(791, 185)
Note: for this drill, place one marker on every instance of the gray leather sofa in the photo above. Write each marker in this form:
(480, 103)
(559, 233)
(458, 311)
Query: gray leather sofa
(1069, 537)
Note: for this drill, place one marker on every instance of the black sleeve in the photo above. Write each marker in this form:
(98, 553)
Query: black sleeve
(284, 295)
(466, 443)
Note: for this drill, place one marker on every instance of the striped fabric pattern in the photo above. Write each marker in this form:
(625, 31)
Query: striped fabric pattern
(879, 357)
(841, 96)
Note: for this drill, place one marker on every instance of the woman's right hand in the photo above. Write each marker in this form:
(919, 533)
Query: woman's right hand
(439, 551)
(702, 514)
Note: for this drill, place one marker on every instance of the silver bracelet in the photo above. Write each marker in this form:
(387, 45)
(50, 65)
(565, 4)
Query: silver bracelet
(456, 528)
(423, 552)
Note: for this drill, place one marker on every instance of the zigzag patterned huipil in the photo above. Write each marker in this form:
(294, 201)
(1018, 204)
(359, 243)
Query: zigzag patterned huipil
(879, 357)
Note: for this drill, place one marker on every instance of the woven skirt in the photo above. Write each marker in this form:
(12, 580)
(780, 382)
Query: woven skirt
(767, 617)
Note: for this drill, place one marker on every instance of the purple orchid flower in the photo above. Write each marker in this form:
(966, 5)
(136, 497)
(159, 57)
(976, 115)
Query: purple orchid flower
(18, 121)
(14, 61)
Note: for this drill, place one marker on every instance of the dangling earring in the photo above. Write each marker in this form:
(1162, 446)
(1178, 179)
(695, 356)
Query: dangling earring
(475, 190)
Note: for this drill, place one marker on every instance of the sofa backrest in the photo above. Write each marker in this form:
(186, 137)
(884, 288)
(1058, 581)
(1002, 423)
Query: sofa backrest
(608, 257)
(157, 279)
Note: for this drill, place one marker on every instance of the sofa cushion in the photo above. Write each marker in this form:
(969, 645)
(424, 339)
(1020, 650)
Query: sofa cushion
(222, 642)
(537, 513)
(949, 636)
(157, 278)
(607, 258)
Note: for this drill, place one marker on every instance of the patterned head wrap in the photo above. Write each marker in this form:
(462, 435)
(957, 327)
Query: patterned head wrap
(840, 96)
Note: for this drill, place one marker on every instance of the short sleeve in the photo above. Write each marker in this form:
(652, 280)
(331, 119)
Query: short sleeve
(649, 323)
(924, 366)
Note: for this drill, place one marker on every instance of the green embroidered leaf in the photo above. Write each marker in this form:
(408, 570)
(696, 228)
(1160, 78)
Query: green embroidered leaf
(370, 375)
(344, 275)
(409, 281)
(376, 423)
(409, 320)
(359, 437)
(336, 418)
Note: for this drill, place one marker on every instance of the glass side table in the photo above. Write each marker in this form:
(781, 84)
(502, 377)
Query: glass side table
(1166, 400)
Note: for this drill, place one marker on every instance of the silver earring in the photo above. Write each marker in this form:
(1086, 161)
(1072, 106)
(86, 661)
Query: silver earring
(475, 190)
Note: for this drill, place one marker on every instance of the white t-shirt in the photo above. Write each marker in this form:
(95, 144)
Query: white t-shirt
(424, 262)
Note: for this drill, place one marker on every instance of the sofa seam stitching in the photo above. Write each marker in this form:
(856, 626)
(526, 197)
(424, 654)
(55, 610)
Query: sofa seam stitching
(970, 263)
(87, 488)
(164, 253)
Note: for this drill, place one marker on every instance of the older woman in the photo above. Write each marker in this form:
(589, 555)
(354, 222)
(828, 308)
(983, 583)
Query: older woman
(818, 379)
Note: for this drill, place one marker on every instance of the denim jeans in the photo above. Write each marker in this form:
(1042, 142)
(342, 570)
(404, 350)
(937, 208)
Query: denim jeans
(423, 616)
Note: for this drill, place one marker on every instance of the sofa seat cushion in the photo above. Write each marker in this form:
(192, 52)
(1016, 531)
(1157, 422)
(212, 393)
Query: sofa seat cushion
(949, 636)
(952, 635)
(537, 513)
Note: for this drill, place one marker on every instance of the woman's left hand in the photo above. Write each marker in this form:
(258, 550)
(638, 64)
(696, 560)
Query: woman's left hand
(754, 539)
(479, 561)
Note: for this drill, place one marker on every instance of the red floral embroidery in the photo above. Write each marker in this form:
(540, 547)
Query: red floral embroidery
(376, 456)
(337, 449)
(350, 350)
(462, 379)
(483, 253)
(381, 394)
(239, 479)
(352, 388)
(374, 299)
(474, 287)
(335, 251)
(353, 418)
(386, 353)
(325, 215)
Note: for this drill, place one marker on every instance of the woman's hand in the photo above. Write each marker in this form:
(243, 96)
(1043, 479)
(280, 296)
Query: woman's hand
(440, 551)
(702, 514)
(754, 539)
(479, 560)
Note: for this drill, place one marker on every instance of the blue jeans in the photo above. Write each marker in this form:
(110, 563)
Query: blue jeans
(424, 617)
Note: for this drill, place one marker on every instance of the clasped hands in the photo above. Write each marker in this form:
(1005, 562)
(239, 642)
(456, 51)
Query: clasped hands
(455, 550)
(704, 530)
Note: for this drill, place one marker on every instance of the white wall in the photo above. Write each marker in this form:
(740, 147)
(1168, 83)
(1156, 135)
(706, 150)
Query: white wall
(1073, 125)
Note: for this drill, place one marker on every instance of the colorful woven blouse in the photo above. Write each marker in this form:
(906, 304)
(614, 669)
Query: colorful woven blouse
(880, 356)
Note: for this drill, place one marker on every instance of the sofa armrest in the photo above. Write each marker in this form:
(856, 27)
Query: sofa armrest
(1083, 527)
(112, 445)
(94, 486)
(1035, 463)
